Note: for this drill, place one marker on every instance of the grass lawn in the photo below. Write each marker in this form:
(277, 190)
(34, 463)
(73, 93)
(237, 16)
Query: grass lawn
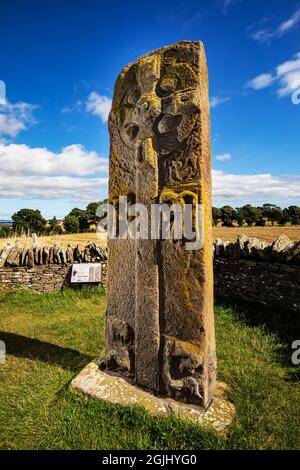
(50, 338)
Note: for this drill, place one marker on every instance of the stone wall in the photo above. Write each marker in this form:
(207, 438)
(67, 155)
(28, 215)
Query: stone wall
(39, 278)
(248, 269)
(252, 270)
(12, 256)
(44, 278)
(45, 269)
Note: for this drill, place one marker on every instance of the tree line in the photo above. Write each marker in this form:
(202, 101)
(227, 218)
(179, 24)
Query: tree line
(27, 221)
(268, 214)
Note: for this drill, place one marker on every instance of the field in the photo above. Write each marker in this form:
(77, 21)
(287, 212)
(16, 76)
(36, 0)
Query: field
(51, 337)
(81, 239)
(230, 234)
(268, 234)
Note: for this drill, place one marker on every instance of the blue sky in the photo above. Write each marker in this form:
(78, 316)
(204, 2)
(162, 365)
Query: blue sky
(59, 61)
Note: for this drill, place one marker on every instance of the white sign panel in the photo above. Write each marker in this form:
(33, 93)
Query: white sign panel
(86, 272)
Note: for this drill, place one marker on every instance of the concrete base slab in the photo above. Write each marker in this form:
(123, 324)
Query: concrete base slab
(94, 383)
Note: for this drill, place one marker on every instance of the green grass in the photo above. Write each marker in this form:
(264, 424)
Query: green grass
(51, 337)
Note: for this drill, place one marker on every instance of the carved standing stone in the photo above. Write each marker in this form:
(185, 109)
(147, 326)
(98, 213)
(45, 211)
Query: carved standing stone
(159, 323)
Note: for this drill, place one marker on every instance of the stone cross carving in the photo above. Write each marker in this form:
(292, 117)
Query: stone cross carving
(159, 321)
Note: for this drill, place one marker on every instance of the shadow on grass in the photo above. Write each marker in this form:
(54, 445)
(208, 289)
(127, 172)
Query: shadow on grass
(282, 322)
(29, 348)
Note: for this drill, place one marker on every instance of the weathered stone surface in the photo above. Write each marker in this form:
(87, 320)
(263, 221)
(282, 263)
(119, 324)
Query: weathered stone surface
(283, 250)
(69, 254)
(275, 285)
(13, 256)
(252, 248)
(104, 386)
(219, 247)
(158, 290)
(40, 278)
(293, 253)
(4, 254)
(280, 248)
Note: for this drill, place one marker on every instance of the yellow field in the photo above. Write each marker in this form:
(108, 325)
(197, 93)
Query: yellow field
(81, 239)
(268, 234)
(226, 234)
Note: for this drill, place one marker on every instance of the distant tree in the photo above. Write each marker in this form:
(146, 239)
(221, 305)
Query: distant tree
(216, 215)
(251, 214)
(228, 215)
(29, 220)
(285, 219)
(260, 222)
(91, 210)
(96, 210)
(71, 224)
(272, 213)
(5, 231)
(82, 217)
(240, 216)
(76, 212)
(294, 214)
(54, 227)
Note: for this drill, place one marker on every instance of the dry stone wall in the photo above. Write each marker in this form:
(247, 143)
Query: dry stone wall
(248, 269)
(253, 270)
(45, 269)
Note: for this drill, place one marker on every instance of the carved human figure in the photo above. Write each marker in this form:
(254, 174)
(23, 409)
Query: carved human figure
(159, 322)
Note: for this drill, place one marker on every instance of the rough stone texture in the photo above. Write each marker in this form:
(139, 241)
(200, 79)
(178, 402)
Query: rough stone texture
(39, 278)
(44, 278)
(252, 270)
(14, 256)
(100, 385)
(272, 284)
(160, 326)
(283, 250)
(44, 269)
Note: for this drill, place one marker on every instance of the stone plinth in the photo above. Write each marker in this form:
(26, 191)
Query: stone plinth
(94, 383)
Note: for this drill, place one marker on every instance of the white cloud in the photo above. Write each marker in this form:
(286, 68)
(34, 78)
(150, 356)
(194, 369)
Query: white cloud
(286, 75)
(78, 175)
(16, 159)
(289, 24)
(261, 81)
(228, 3)
(262, 35)
(77, 106)
(15, 117)
(265, 35)
(223, 157)
(251, 187)
(44, 187)
(216, 101)
(27, 172)
(98, 105)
